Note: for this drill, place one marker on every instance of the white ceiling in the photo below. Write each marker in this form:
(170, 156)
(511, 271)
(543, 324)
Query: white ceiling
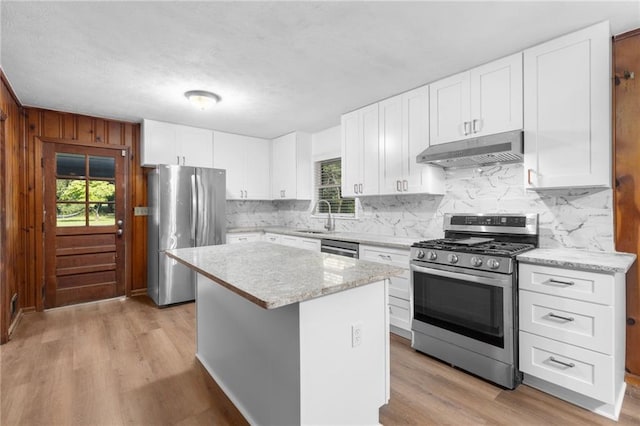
(279, 66)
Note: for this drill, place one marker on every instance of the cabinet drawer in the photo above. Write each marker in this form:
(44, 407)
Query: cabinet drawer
(243, 238)
(580, 370)
(399, 286)
(272, 238)
(310, 244)
(400, 313)
(385, 255)
(588, 286)
(571, 321)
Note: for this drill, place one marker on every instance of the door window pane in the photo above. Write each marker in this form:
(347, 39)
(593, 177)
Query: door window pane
(71, 214)
(71, 190)
(102, 191)
(70, 165)
(102, 167)
(102, 214)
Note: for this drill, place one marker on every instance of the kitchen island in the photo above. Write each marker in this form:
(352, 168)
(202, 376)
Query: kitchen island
(293, 336)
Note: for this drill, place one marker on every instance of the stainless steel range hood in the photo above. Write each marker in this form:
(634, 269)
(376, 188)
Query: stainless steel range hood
(500, 148)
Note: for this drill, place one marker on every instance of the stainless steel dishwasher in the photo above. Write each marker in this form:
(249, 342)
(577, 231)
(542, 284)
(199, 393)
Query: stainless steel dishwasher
(341, 248)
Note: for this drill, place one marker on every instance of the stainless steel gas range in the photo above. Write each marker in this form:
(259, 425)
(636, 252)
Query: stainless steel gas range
(465, 293)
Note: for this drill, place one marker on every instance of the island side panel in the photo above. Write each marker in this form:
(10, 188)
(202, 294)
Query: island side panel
(252, 353)
(342, 383)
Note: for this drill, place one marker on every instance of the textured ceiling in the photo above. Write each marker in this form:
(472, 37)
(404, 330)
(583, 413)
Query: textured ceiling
(279, 66)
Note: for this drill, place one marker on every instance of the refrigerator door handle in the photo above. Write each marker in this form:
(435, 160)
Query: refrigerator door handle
(194, 206)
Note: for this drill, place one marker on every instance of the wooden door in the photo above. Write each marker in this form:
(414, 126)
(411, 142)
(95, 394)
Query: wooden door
(627, 178)
(84, 202)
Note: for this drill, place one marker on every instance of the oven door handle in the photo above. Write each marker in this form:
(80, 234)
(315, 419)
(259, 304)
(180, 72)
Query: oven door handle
(504, 282)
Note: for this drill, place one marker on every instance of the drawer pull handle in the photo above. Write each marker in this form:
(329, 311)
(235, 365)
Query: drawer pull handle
(566, 364)
(554, 281)
(385, 256)
(568, 319)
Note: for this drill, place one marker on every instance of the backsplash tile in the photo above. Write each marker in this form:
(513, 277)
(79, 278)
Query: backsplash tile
(572, 218)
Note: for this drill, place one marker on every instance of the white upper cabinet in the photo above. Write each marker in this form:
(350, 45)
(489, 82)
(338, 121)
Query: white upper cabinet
(567, 111)
(403, 134)
(291, 167)
(496, 96)
(481, 101)
(167, 143)
(360, 152)
(450, 108)
(247, 162)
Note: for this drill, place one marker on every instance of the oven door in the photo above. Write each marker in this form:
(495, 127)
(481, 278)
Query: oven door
(472, 309)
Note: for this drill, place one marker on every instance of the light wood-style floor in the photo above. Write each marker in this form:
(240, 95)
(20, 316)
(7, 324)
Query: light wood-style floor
(127, 362)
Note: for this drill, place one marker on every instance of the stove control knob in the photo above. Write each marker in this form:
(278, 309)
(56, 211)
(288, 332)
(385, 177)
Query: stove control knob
(431, 255)
(420, 254)
(476, 261)
(493, 264)
(452, 258)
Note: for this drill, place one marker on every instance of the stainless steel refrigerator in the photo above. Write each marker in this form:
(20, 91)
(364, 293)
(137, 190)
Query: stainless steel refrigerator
(186, 209)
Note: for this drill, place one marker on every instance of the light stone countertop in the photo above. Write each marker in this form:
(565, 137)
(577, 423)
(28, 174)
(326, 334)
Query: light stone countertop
(273, 275)
(371, 239)
(596, 261)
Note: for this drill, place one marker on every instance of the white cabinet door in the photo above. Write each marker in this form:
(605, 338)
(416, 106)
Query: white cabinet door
(418, 178)
(404, 133)
(229, 154)
(257, 169)
(567, 111)
(246, 160)
(158, 143)
(291, 167)
(496, 96)
(391, 155)
(284, 167)
(449, 110)
(360, 159)
(352, 155)
(167, 143)
(195, 145)
(370, 167)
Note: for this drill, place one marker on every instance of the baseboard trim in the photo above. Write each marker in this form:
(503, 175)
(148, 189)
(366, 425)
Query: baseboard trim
(632, 379)
(139, 292)
(15, 322)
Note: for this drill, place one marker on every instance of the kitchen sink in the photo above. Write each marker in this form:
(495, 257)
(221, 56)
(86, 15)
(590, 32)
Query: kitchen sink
(311, 231)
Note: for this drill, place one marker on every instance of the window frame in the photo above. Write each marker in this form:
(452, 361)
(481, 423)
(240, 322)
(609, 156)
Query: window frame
(317, 166)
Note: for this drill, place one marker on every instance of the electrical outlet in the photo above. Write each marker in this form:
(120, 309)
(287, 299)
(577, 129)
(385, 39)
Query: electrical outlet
(356, 334)
(141, 211)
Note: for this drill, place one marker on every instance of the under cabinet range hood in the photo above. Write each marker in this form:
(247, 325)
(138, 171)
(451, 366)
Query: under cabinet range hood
(500, 148)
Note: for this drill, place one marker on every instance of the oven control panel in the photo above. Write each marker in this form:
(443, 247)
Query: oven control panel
(489, 263)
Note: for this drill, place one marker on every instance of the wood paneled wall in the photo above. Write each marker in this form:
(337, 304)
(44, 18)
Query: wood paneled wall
(11, 233)
(626, 113)
(19, 128)
(85, 129)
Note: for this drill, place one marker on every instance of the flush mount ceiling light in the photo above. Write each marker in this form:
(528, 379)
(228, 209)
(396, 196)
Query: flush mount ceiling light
(202, 99)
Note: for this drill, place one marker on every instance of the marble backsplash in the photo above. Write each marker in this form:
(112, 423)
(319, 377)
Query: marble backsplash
(571, 218)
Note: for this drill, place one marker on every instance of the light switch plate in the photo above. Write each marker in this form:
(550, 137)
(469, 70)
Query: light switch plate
(141, 211)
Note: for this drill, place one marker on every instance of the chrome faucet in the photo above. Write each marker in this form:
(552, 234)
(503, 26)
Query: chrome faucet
(331, 224)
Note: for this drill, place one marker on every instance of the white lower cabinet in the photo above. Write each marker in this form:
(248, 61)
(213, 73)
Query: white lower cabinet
(312, 244)
(243, 237)
(572, 335)
(400, 299)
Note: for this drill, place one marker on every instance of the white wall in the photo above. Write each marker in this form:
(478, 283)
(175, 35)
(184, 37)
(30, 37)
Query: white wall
(326, 144)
